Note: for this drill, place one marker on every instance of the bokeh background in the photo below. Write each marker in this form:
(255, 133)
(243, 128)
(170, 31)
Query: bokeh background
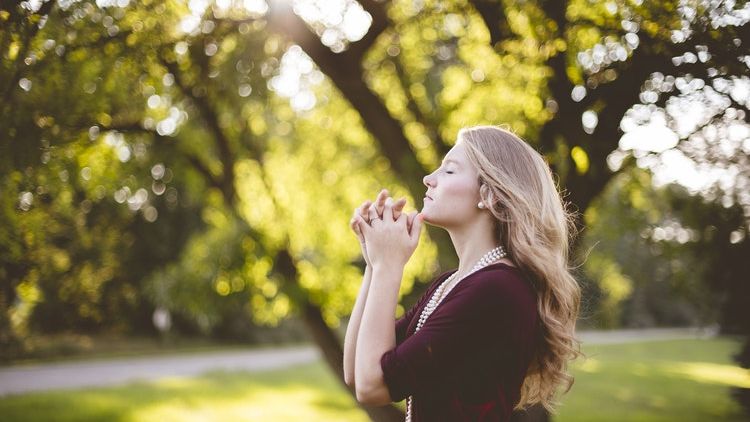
(179, 176)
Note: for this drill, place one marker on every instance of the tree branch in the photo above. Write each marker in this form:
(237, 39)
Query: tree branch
(428, 126)
(493, 15)
(212, 121)
(345, 71)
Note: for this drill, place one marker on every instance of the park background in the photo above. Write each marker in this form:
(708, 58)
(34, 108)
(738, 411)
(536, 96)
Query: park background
(179, 176)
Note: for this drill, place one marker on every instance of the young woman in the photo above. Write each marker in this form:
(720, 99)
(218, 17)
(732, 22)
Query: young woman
(496, 333)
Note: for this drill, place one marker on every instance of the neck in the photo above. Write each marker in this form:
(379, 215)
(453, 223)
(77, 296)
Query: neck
(471, 243)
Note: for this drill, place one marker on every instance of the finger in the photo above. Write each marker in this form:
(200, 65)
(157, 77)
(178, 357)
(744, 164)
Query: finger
(364, 228)
(388, 210)
(401, 221)
(380, 202)
(363, 210)
(410, 220)
(355, 226)
(364, 206)
(416, 229)
(398, 206)
(372, 213)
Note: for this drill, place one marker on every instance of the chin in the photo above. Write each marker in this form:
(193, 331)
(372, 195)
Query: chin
(426, 218)
(443, 221)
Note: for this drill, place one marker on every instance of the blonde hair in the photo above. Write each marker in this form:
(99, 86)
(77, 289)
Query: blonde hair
(534, 226)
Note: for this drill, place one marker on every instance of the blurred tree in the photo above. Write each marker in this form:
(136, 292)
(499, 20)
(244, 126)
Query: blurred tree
(718, 254)
(644, 244)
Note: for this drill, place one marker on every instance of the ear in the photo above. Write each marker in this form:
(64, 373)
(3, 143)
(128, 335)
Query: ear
(485, 194)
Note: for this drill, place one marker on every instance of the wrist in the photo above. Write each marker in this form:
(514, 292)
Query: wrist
(388, 270)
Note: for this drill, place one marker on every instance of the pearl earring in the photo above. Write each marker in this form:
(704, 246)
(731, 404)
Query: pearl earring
(480, 205)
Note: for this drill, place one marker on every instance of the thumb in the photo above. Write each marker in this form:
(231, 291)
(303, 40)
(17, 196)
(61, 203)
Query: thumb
(410, 220)
(416, 228)
(357, 230)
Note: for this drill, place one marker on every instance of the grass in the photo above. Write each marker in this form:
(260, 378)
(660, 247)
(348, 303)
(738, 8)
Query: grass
(300, 393)
(685, 380)
(675, 380)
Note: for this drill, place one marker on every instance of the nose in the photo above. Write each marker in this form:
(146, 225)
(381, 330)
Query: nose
(427, 180)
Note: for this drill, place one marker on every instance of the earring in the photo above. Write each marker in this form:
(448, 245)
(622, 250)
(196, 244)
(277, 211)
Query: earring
(480, 205)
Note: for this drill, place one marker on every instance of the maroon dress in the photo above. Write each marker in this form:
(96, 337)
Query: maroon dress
(469, 359)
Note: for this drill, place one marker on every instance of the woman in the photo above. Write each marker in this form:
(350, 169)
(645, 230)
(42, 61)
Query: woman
(495, 334)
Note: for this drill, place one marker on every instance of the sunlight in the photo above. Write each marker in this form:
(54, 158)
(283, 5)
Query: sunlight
(655, 147)
(278, 404)
(336, 22)
(712, 373)
(590, 365)
(296, 78)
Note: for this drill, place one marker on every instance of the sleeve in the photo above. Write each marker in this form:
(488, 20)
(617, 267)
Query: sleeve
(402, 324)
(467, 319)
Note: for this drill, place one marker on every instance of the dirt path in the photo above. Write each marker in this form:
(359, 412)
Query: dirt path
(64, 375)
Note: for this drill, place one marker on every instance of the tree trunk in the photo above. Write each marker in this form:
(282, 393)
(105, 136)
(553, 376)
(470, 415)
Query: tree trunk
(330, 345)
(326, 338)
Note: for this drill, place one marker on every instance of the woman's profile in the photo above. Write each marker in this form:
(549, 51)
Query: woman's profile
(491, 336)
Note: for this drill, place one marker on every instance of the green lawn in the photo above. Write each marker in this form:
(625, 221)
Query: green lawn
(684, 380)
(301, 393)
(677, 380)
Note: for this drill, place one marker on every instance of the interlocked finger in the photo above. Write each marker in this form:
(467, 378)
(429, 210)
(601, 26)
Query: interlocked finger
(353, 224)
(398, 207)
(373, 215)
(364, 211)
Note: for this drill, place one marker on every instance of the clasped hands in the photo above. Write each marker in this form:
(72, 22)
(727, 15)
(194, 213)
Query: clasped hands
(386, 234)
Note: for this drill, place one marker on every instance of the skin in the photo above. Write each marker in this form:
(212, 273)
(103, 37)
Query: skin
(388, 238)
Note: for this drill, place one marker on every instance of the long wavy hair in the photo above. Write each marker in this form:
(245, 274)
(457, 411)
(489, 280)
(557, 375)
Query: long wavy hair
(536, 228)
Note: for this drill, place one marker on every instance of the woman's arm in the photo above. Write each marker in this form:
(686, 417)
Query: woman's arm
(352, 329)
(378, 335)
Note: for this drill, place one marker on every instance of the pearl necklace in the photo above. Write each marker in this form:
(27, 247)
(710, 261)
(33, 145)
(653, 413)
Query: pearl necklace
(438, 296)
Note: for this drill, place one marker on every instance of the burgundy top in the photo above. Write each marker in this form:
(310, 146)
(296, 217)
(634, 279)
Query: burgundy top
(469, 359)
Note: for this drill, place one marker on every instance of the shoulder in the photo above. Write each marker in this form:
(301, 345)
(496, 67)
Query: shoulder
(499, 283)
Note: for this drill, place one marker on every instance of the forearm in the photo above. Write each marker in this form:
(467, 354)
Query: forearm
(352, 329)
(377, 334)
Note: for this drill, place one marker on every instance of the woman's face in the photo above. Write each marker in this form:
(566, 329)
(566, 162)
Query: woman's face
(452, 191)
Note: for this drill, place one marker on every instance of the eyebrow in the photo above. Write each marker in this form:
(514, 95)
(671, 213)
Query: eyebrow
(451, 161)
